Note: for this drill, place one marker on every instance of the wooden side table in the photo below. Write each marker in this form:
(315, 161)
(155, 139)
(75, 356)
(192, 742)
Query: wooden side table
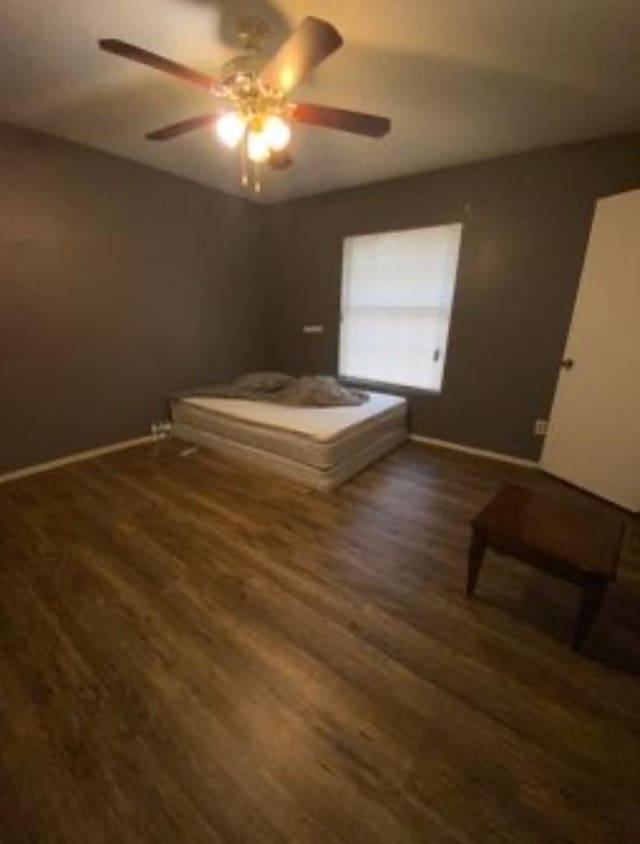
(578, 546)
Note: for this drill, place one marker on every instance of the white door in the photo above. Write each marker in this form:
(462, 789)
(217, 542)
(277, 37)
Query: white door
(594, 429)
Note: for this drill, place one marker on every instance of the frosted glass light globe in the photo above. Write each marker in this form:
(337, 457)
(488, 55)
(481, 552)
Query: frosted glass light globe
(257, 146)
(278, 133)
(230, 129)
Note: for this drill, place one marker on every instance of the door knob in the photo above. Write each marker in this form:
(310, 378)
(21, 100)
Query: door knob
(567, 363)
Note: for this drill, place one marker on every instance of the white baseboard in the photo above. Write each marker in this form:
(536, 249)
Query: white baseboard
(72, 458)
(479, 452)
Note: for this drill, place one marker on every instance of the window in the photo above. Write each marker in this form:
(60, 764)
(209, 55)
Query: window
(397, 292)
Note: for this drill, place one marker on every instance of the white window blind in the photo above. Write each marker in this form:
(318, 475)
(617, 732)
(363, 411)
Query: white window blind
(397, 292)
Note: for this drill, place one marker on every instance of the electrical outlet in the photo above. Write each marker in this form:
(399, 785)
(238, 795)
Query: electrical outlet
(541, 427)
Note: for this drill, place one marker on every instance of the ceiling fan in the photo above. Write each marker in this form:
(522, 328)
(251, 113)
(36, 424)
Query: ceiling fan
(255, 108)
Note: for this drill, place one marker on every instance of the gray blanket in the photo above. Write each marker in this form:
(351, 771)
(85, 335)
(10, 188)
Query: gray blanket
(306, 391)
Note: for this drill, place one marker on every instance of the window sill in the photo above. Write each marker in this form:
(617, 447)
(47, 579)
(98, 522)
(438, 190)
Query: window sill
(402, 389)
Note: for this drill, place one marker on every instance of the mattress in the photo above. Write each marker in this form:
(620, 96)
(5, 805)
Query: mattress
(322, 479)
(318, 437)
(318, 423)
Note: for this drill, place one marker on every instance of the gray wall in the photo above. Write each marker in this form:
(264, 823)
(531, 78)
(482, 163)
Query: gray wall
(118, 284)
(526, 225)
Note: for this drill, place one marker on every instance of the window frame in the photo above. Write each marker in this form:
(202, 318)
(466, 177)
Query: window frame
(403, 389)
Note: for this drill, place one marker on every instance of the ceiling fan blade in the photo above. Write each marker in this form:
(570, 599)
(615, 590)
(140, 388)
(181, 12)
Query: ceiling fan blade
(338, 118)
(137, 54)
(307, 46)
(280, 160)
(181, 128)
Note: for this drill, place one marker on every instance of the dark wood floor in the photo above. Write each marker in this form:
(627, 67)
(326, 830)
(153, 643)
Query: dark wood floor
(192, 652)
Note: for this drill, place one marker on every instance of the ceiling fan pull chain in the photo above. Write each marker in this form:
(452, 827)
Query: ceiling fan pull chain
(244, 163)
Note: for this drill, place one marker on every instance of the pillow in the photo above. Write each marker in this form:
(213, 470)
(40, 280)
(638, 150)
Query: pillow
(267, 382)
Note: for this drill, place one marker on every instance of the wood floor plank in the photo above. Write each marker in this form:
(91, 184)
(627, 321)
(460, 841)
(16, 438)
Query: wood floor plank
(196, 651)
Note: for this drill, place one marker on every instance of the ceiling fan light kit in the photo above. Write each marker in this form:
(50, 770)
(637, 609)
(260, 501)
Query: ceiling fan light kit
(256, 119)
(278, 133)
(230, 129)
(257, 113)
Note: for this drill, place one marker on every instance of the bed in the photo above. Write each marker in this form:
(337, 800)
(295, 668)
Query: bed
(320, 447)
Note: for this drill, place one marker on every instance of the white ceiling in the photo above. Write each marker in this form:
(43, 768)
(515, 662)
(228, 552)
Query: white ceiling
(461, 80)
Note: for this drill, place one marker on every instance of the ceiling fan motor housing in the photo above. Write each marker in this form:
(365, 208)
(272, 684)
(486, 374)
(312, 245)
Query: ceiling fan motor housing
(253, 32)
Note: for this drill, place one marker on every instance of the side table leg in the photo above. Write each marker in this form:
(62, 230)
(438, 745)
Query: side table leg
(476, 555)
(592, 597)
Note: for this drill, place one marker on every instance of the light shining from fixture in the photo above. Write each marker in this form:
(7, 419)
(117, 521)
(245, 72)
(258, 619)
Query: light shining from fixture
(230, 128)
(277, 132)
(258, 146)
(287, 77)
